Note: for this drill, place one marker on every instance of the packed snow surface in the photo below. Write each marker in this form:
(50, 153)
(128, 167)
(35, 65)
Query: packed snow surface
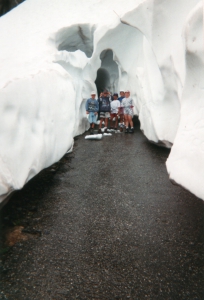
(54, 53)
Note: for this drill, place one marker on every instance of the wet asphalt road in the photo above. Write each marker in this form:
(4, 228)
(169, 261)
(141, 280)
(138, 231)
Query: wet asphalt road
(111, 226)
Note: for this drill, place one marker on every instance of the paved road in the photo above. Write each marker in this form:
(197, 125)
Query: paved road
(105, 223)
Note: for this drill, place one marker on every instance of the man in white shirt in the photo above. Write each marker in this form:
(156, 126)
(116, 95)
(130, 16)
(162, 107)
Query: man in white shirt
(115, 105)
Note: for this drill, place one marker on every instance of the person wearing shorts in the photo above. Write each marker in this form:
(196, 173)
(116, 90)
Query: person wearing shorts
(121, 112)
(115, 106)
(92, 111)
(104, 109)
(127, 104)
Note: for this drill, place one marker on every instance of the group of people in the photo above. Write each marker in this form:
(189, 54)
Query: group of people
(110, 107)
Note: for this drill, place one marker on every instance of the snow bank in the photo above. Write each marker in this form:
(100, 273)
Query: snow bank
(186, 162)
(54, 53)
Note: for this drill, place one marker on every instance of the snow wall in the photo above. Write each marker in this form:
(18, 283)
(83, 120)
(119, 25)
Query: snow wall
(54, 53)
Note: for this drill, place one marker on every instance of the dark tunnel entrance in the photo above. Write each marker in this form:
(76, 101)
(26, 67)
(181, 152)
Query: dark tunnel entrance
(102, 80)
(108, 74)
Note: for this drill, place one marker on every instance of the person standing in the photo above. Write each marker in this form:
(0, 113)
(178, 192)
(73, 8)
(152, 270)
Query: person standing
(92, 110)
(104, 109)
(121, 112)
(127, 104)
(115, 106)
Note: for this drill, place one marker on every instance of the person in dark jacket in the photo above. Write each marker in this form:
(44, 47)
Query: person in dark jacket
(104, 109)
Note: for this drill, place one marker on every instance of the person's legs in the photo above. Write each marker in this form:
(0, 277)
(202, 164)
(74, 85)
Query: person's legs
(90, 121)
(101, 121)
(106, 116)
(94, 120)
(116, 121)
(126, 123)
(121, 122)
(106, 124)
(100, 124)
(91, 128)
(131, 123)
(111, 121)
(112, 116)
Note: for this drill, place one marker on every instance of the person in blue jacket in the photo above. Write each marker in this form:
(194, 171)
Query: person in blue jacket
(92, 107)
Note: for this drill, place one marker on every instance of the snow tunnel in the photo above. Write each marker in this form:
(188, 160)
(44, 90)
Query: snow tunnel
(108, 74)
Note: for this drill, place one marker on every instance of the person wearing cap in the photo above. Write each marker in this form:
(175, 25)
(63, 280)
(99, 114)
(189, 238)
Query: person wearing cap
(104, 109)
(121, 112)
(122, 95)
(115, 105)
(92, 110)
(127, 104)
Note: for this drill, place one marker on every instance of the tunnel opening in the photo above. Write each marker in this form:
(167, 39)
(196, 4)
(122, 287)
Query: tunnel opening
(102, 80)
(108, 74)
